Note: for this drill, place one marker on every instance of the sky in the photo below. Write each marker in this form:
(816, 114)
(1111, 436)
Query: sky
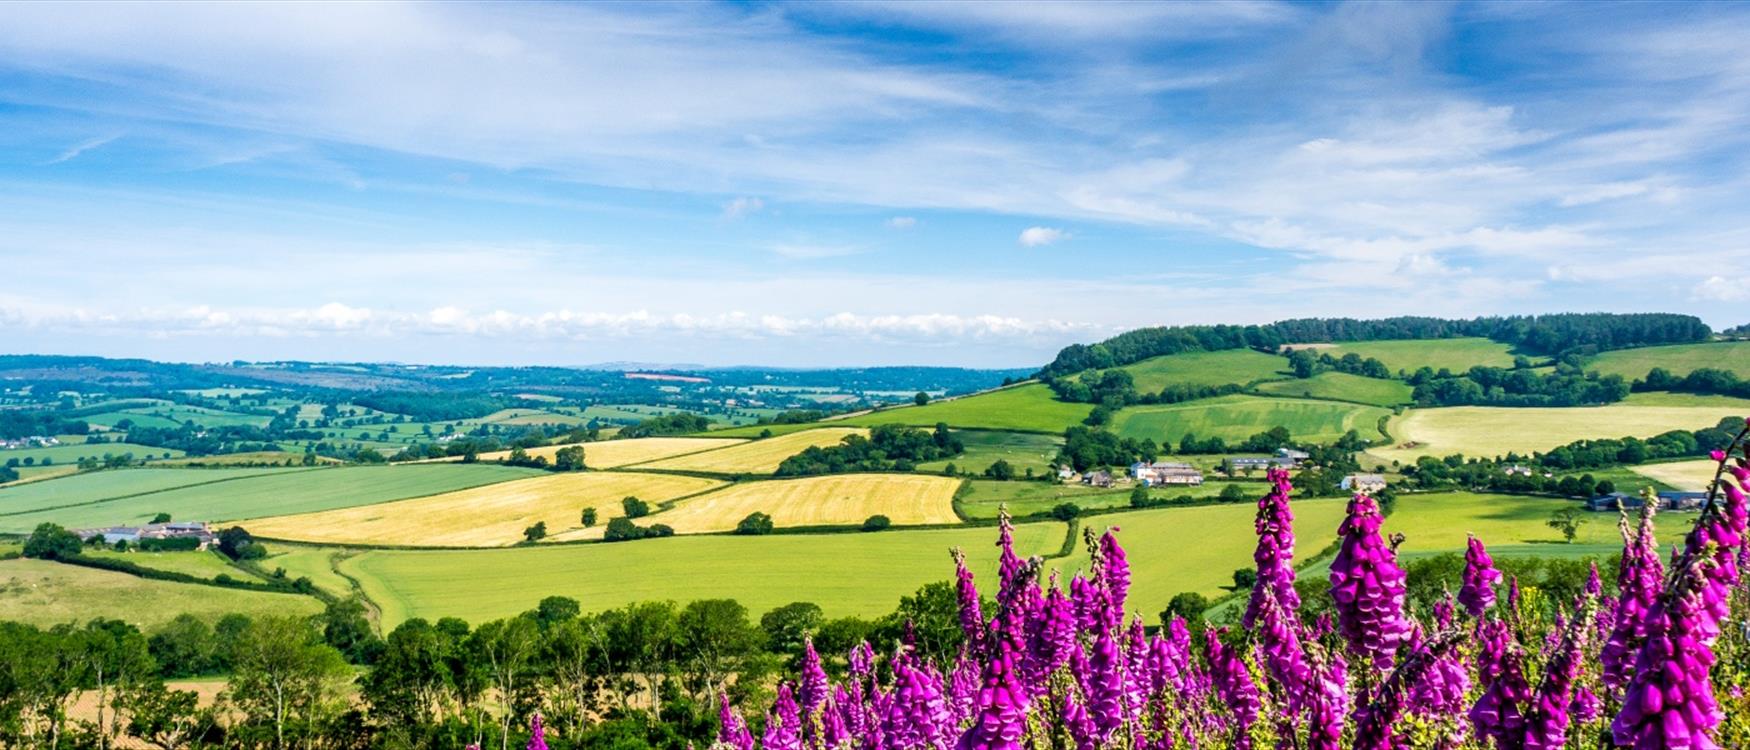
(857, 183)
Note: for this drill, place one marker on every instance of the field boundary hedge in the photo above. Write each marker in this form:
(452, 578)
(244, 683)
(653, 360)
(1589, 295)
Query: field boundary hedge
(128, 567)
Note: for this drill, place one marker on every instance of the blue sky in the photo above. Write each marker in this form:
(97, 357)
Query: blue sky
(845, 184)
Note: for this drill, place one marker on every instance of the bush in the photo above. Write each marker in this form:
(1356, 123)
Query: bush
(756, 524)
(876, 523)
(622, 530)
(51, 542)
(1066, 511)
(1188, 604)
(589, 517)
(1232, 493)
(569, 459)
(536, 532)
(635, 508)
(161, 518)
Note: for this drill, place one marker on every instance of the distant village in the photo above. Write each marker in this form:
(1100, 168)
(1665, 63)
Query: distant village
(32, 441)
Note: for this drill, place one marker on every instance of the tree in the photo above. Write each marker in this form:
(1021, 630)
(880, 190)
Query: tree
(166, 718)
(1066, 511)
(236, 543)
(1187, 604)
(589, 517)
(634, 507)
(622, 529)
(112, 654)
(714, 635)
(877, 522)
(345, 627)
(1245, 578)
(1139, 497)
(921, 398)
(755, 524)
(569, 458)
(161, 518)
(536, 532)
(1567, 521)
(1232, 493)
(281, 673)
(51, 542)
(1000, 470)
(505, 648)
(787, 626)
(556, 609)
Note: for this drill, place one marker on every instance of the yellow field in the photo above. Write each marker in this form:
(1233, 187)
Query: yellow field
(1684, 475)
(838, 500)
(1487, 431)
(490, 516)
(757, 457)
(610, 454)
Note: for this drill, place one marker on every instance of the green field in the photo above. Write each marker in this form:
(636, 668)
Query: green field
(846, 574)
(1342, 386)
(1172, 550)
(1239, 366)
(1025, 498)
(1408, 355)
(271, 494)
(197, 563)
(93, 486)
(46, 593)
(1023, 450)
(314, 563)
(1239, 417)
(1680, 359)
(1485, 431)
(70, 454)
(1024, 408)
(174, 415)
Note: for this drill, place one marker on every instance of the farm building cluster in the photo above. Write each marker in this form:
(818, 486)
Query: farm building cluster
(1180, 474)
(29, 441)
(134, 535)
(1608, 503)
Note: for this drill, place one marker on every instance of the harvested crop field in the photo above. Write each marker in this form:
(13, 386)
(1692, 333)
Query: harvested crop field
(492, 516)
(1486, 431)
(754, 457)
(1694, 476)
(611, 454)
(838, 500)
(1239, 417)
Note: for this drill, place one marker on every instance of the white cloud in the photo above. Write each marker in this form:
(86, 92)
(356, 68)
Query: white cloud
(1722, 289)
(902, 222)
(1041, 236)
(812, 251)
(76, 149)
(742, 207)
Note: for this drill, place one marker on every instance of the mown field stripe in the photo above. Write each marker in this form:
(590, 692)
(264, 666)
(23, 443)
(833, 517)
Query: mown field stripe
(177, 488)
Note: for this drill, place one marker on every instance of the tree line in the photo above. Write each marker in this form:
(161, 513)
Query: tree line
(887, 448)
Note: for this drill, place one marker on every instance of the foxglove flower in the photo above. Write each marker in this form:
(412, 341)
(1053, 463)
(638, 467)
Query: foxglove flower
(1478, 592)
(1114, 578)
(1639, 579)
(1497, 715)
(731, 730)
(1280, 649)
(1274, 554)
(1234, 686)
(971, 611)
(1367, 586)
(812, 690)
(918, 717)
(1105, 686)
(1546, 726)
(783, 723)
(1329, 704)
(537, 733)
(1001, 718)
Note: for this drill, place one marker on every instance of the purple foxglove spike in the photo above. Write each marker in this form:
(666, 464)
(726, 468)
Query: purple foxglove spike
(813, 687)
(1329, 704)
(1001, 718)
(731, 730)
(1639, 578)
(971, 610)
(1496, 715)
(1367, 586)
(1274, 554)
(1445, 611)
(918, 717)
(1477, 593)
(1233, 686)
(1106, 692)
(1284, 658)
(537, 733)
(1114, 578)
(783, 723)
(862, 660)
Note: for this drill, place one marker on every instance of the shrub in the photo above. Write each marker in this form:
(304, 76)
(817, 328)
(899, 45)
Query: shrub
(876, 523)
(536, 532)
(51, 542)
(589, 517)
(755, 524)
(635, 508)
(1066, 511)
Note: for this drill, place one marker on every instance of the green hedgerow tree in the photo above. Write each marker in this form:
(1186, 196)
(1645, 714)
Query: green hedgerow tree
(536, 532)
(635, 508)
(589, 517)
(755, 524)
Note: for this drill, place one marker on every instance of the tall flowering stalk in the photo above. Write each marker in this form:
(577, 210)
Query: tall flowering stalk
(1368, 586)
(1274, 554)
(1639, 578)
(1480, 576)
(537, 733)
(1547, 722)
(731, 730)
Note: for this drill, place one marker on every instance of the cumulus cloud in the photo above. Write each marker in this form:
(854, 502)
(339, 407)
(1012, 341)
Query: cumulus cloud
(741, 207)
(1041, 236)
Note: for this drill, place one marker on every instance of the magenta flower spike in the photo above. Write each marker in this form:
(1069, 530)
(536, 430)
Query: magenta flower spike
(1639, 578)
(1274, 554)
(1234, 686)
(537, 733)
(1008, 564)
(971, 611)
(1114, 578)
(731, 730)
(1329, 704)
(1279, 645)
(1478, 591)
(1546, 726)
(813, 687)
(861, 660)
(783, 723)
(1367, 586)
(918, 717)
(1001, 718)
(1497, 716)
(1586, 705)
(1669, 702)
(1106, 691)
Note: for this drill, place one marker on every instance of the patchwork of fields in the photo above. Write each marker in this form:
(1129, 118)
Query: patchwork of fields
(493, 516)
(756, 457)
(1484, 431)
(1405, 355)
(609, 454)
(1022, 408)
(1023, 451)
(1239, 417)
(1240, 366)
(837, 500)
(1341, 386)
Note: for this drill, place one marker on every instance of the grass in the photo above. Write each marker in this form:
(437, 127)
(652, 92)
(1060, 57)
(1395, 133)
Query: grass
(760, 430)
(846, 574)
(1172, 550)
(197, 563)
(1680, 359)
(46, 593)
(1023, 450)
(1485, 431)
(609, 454)
(112, 483)
(234, 459)
(1408, 355)
(314, 563)
(492, 516)
(270, 494)
(531, 417)
(174, 415)
(1239, 417)
(1439, 522)
(70, 454)
(1694, 476)
(755, 457)
(1025, 498)
(1342, 386)
(837, 500)
(1240, 366)
(1023, 408)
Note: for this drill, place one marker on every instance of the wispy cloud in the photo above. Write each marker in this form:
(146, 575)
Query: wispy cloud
(81, 147)
(743, 207)
(902, 222)
(1041, 236)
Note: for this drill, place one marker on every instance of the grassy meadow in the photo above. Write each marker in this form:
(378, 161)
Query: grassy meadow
(1239, 417)
(312, 562)
(491, 516)
(1484, 431)
(47, 593)
(270, 493)
(198, 563)
(1341, 386)
(1457, 355)
(1241, 366)
(755, 457)
(110, 484)
(70, 454)
(846, 574)
(1023, 451)
(1023, 408)
(1693, 476)
(1024, 498)
(1679, 359)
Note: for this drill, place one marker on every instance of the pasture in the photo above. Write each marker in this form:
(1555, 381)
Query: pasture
(754, 457)
(1407, 355)
(846, 574)
(1198, 548)
(1341, 386)
(198, 563)
(1239, 417)
(1021, 408)
(835, 500)
(272, 493)
(1486, 431)
(1693, 476)
(47, 593)
(493, 516)
(110, 484)
(1026, 498)
(1679, 359)
(1239, 366)
(1023, 450)
(609, 454)
(70, 454)
(314, 563)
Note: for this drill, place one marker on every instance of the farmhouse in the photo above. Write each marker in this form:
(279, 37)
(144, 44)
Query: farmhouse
(1097, 479)
(133, 535)
(1667, 501)
(1166, 472)
(1066, 474)
(1363, 483)
(1255, 463)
